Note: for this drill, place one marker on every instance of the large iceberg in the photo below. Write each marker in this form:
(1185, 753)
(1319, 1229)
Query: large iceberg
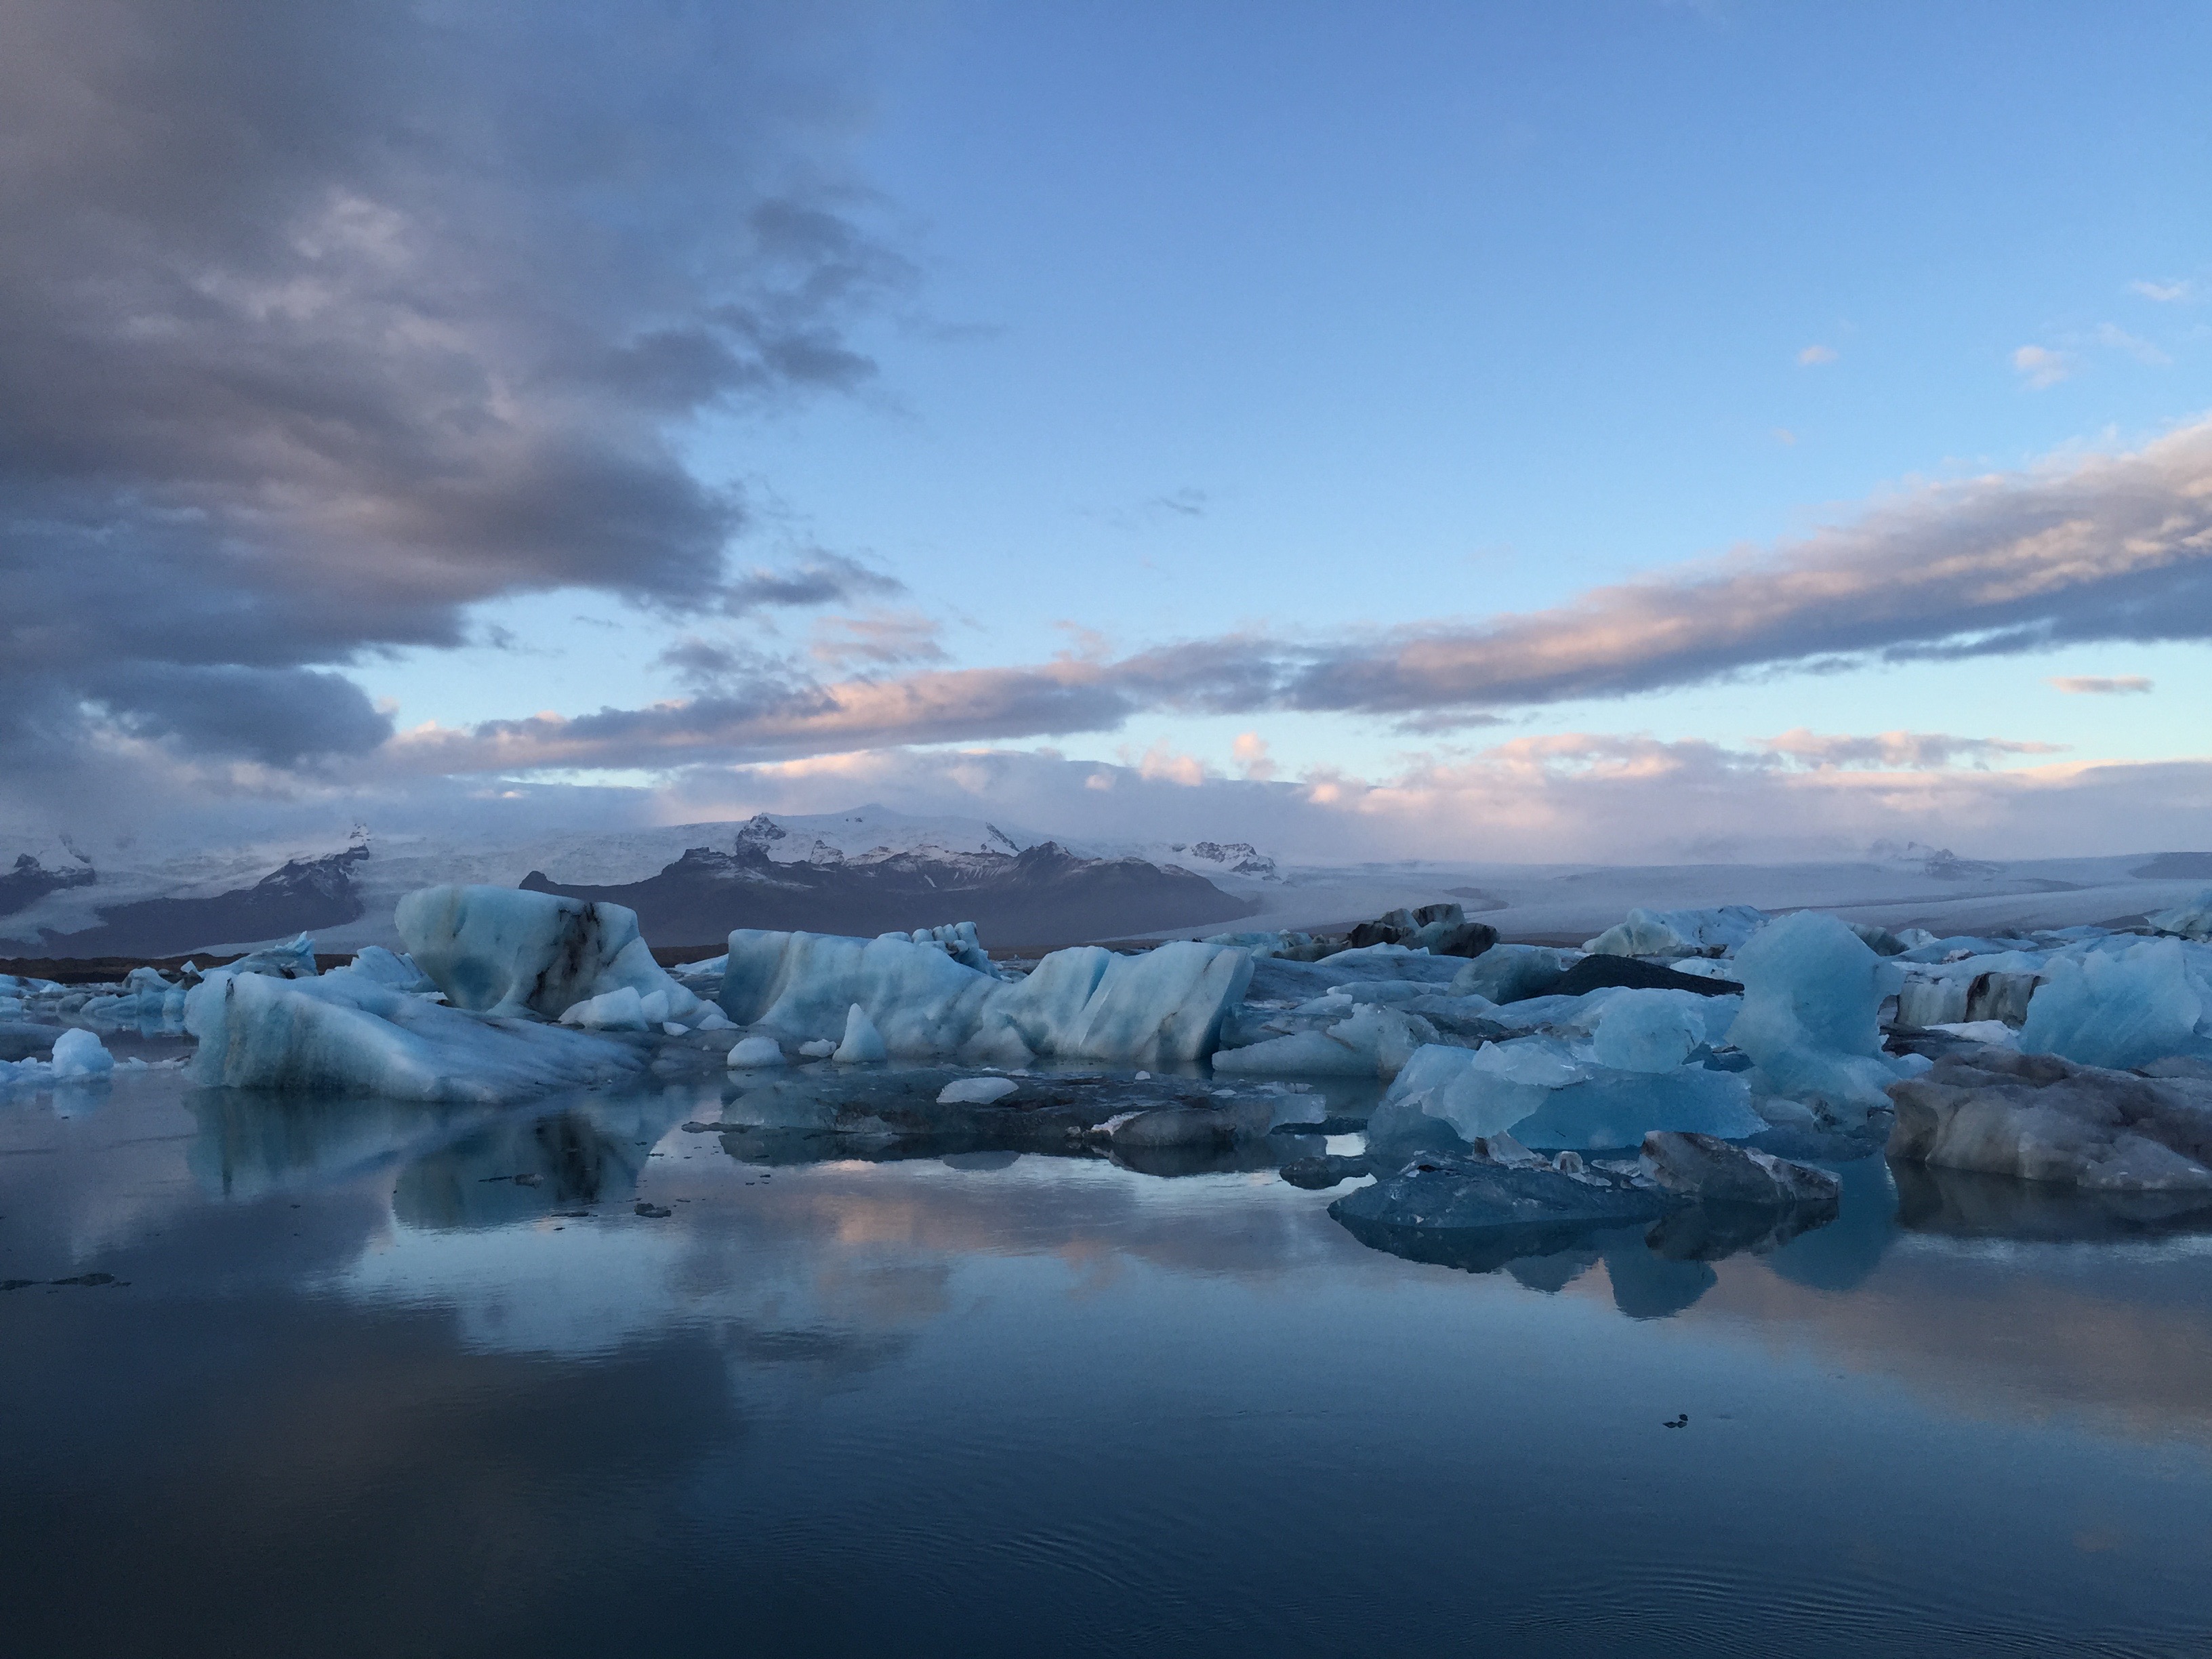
(1813, 992)
(2100, 1009)
(343, 1033)
(507, 951)
(1165, 1006)
(2041, 1118)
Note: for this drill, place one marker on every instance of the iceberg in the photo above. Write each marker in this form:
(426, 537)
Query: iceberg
(509, 951)
(976, 1091)
(2039, 1117)
(342, 1033)
(1544, 1093)
(1376, 1039)
(1714, 933)
(1508, 973)
(862, 1044)
(79, 1054)
(752, 1053)
(1813, 992)
(2189, 921)
(390, 967)
(1167, 1005)
(2125, 1010)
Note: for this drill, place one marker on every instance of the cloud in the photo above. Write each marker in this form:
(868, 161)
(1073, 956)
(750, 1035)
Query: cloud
(883, 638)
(2095, 548)
(1815, 356)
(822, 578)
(2172, 291)
(1558, 798)
(2097, 685)
(321, 323)
(1253, 760)
(2041, 367)
(1897, 750)
(2118, 339)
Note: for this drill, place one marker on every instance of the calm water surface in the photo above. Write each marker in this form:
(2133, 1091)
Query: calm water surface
(357, 1391)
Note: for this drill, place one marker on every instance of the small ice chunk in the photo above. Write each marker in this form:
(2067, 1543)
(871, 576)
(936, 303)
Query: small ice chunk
(673, 1029)
(615, 1011)
(862, 1043)
(712, 1019)
(80, 1054)
(755, 1052)
(976, 1091)
(820, 1048)
(1143, 1077)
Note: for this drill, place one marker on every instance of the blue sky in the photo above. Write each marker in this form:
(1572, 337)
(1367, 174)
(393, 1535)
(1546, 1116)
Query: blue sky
(1305, 316)
(1307, 323)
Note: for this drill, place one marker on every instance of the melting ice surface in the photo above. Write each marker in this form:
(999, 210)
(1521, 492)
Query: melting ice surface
(368, 1376)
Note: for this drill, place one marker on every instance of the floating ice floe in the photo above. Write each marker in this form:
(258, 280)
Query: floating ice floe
(1088, 1003)
(504, 951)
(343, 1033)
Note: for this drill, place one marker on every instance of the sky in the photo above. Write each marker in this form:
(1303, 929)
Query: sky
(1630, 432)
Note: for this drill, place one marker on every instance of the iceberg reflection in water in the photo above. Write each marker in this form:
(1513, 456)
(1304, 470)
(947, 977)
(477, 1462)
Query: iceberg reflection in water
(649, 1368)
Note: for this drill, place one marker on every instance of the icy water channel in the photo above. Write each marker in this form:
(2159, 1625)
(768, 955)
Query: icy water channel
(348, 1378)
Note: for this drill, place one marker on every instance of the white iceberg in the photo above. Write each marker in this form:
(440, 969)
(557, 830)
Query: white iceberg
(342, 1033)
(862, 1044)
(976, 1091)
(508, 951)
(753, 1053)
(79, 1054)
(1712, 933)
(1087, 1003)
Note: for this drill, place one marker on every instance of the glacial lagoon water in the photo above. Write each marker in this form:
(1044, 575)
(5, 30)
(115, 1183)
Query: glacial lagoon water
(350, 1377)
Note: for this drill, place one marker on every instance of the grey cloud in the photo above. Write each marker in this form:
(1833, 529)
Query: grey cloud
(320, 324)
(278, 716)
(821, 578)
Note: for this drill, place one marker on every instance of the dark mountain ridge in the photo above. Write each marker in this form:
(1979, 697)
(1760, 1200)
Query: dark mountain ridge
(1044, 895)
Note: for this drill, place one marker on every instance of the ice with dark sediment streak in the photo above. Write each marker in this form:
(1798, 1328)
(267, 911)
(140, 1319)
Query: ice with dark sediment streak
(506, 951)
